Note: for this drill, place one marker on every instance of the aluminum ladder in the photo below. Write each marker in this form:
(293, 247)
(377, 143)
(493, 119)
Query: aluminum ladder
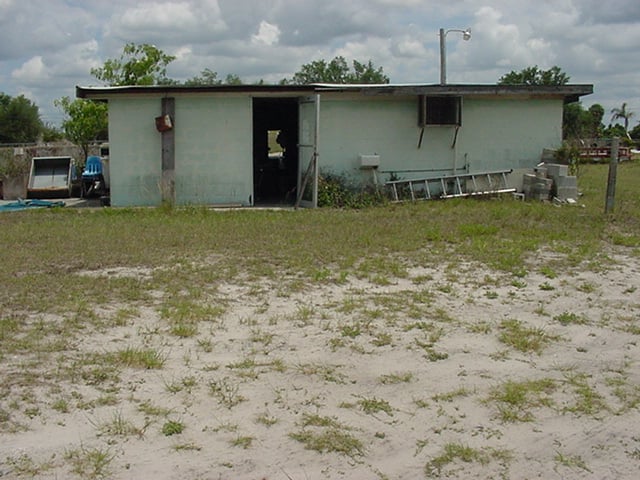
(450, 186)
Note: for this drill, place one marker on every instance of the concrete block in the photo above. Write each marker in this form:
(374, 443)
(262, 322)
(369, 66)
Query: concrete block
(544, 182)
(548, 155)
(566, 182)
(564, 193)
(541, 172)
(556, 170)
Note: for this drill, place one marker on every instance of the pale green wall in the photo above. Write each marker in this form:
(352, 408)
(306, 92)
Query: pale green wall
(383, 126)
(214, 158)
(213, 142)
(506, 133)
(134, 152)
(213, 150)
(495, 134)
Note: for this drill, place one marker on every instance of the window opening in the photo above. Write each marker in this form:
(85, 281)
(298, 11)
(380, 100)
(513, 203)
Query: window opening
(439, 110)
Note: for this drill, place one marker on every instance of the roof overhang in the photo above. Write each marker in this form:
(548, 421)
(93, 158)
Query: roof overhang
(569, 93)
(104, 93)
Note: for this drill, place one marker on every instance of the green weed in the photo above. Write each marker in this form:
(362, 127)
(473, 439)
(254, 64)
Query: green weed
(325, 434)
(375, 405)
(516, 401)
(91, 463)
(525, 339)
(135, 357)
(454, 452)
(395, 378)
(172, 427)
(569, 318)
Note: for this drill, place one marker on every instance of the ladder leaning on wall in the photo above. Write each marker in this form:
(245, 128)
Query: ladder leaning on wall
(450, 186)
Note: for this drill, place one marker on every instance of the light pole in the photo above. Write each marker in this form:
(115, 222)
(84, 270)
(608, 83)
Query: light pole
(466, 35)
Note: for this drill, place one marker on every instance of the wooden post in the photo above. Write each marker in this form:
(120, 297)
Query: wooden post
(613, 173)
(167, 187)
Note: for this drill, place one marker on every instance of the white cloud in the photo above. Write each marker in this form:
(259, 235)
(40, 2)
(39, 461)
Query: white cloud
(48, 46)
(33, 71)
(166, 22)
(268, 34)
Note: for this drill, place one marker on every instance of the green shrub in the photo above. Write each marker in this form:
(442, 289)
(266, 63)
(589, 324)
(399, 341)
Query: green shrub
(336, 191)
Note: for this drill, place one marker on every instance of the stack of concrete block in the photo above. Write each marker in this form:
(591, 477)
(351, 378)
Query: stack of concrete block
(550, 180)
(565, 186)
(537, 186)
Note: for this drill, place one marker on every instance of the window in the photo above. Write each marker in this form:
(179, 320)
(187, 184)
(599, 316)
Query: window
(439, 110)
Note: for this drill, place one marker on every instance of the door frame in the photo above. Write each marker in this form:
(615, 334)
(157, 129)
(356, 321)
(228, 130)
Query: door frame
(308, 152)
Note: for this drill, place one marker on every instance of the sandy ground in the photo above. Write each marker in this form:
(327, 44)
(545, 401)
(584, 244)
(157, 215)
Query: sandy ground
(402, 374)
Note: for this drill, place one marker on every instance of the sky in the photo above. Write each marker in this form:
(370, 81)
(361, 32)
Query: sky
(47, 47)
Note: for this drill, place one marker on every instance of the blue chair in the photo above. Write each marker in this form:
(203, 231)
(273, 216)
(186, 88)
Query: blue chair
(92, 180)
(93, 167)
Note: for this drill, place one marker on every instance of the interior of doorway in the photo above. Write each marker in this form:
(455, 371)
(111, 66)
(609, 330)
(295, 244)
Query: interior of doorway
(275, 150)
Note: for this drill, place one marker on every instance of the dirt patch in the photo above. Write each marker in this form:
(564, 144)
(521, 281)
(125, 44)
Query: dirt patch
(466, 373)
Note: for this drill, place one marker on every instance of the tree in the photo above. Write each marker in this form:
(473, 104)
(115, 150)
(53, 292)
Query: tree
(51, 133)
(86, 121)
(596, 113)
(580, 123)
(138, 65)
(535, 76)
(232, 79)
(19, 120)
(338, 71)
(622, 114)
(209, 77)
(614, 130)
(635, 133)
(573, 121)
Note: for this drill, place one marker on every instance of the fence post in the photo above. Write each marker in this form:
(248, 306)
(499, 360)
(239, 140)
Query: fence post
(613, 173)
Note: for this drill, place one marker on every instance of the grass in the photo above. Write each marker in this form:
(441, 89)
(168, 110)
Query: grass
(340, 238)
(587, 399)
(176, 265)
(458, 452)
(137, 357)
(326, 434)
(570, 318)
(172, 427)
(119, 426)
(525, 339)
(242, 441)
(92, 463)
(226, 391)
(375, 405)
(395, 378)
(515, 401)
(23, 465)
(574, 462)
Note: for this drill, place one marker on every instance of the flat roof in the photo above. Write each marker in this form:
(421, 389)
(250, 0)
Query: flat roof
(570, 93)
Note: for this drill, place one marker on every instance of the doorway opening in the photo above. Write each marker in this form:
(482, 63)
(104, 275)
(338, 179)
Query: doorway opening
(275, 150)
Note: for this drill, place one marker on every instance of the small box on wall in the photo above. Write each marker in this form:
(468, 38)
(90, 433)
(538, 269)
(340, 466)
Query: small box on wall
(164, 123)
(369, 161)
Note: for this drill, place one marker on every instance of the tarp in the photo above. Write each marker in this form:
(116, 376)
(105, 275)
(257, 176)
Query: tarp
(24, 204)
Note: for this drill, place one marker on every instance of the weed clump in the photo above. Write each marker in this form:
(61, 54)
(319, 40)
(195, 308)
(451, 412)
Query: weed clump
(336, 191)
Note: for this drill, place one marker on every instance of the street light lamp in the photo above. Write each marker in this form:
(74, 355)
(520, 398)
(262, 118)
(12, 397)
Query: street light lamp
(466, 35)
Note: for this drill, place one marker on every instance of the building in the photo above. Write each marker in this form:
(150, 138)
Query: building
(216, 145)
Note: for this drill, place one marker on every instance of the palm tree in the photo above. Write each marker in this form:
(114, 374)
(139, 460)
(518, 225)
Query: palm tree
(622, 114)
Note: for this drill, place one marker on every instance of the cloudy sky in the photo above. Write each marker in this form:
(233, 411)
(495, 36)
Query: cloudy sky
(49, 46)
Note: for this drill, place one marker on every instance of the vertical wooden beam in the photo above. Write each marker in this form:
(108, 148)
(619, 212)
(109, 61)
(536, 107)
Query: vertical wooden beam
(167, 186)
(613, 174)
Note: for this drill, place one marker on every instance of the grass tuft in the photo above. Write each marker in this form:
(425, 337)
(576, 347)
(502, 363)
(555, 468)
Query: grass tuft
(525, 339)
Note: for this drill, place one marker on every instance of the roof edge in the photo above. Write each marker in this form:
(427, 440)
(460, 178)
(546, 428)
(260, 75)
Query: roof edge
(571, 92)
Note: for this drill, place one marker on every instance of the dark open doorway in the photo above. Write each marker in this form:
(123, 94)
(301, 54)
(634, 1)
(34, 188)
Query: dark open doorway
(275, 150)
